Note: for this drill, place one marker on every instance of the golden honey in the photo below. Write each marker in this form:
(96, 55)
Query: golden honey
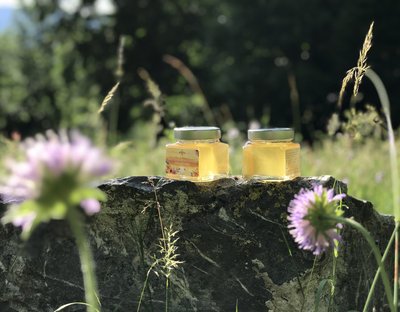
(198, 155)
(271, 154)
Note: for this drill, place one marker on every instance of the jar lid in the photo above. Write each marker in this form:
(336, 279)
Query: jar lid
(271, 134)
(197, 133)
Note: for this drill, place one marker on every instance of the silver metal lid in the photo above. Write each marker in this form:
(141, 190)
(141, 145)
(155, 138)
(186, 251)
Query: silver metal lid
(197, 133)
(271, 134)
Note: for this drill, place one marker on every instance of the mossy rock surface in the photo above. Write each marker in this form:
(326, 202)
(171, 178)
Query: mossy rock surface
(233, 241)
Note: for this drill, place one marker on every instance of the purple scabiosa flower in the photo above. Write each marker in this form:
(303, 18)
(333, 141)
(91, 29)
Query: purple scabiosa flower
(309, 221)
(53, 176)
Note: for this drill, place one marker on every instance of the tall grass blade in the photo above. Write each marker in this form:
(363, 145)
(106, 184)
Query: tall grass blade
(384, 99)
(73, 303)
(357, 73)
(194, 85)
(378, 271)
(377, 254)
(108, 98)
(319, 294)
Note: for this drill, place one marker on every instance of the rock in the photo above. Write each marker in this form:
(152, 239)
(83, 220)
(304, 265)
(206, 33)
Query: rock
(233, 241)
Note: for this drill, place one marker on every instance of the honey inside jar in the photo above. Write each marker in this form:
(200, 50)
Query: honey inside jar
(198, 155)
(270, 154)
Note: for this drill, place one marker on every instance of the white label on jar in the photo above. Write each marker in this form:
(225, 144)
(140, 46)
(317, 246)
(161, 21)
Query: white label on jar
(182, 162)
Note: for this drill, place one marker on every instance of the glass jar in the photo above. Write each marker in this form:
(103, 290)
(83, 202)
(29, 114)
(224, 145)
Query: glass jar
(198, 155)
(271, 154)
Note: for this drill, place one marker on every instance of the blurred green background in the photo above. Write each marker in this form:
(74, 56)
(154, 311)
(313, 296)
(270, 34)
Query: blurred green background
(235, 64)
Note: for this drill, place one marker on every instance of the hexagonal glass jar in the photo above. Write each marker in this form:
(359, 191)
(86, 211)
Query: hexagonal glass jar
(271, 154)
(198, 155)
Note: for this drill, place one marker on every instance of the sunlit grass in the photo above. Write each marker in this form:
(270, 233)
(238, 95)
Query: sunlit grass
(364, 167)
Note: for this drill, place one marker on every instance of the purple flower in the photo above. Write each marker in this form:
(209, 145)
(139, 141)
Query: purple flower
(91, 206)
(53, 175)
(309, 221)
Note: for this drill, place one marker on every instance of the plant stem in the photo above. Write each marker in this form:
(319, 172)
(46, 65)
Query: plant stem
(371, 290)
(396, 268)
(158, 206)
(377, 254)
(333, 281)
(87, 264)
(166, 293)
(144, 286)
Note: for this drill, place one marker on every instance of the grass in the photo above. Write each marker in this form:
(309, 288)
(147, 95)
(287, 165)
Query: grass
(364, 167)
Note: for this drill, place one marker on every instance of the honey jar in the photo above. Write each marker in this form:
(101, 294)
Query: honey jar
(271, 154)
(197, 155)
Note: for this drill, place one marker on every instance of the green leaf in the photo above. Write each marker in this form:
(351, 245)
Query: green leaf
(57, 210)
(336, 248)
(22, 210)
(26, 232)
(74, 303)
(319, 294)
(85, 193)
(26, 207)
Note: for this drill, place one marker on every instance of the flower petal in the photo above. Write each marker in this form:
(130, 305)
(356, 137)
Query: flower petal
(90, 206)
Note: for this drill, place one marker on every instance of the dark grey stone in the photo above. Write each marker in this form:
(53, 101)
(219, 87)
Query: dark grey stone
(233, 241)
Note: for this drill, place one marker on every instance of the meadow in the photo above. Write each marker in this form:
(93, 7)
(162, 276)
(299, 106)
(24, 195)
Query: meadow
(363, 166)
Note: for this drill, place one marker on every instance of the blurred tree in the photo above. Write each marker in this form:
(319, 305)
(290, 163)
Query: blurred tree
(276, 61)
(45, 83)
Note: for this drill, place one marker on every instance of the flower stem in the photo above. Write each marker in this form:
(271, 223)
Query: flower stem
(396, 267)
(371, 290)
(333, 286)
(87, 264)
(376, 252)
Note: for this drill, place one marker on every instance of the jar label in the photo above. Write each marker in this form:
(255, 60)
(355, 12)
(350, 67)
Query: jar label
(182, 162)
